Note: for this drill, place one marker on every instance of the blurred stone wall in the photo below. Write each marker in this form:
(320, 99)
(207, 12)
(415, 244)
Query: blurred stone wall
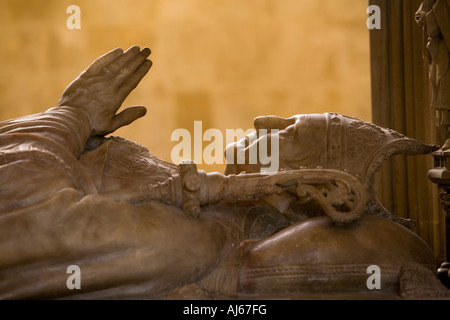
(220, 61)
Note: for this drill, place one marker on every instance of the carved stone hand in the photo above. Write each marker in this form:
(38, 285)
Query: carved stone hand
(104, 85)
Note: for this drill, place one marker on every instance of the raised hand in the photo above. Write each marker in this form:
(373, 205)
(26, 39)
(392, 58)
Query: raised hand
(104, 85)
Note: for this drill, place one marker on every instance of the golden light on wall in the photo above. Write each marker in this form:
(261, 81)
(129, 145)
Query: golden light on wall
(222, 62)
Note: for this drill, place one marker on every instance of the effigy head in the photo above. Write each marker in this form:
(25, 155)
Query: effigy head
(329, 141)
(318, 255)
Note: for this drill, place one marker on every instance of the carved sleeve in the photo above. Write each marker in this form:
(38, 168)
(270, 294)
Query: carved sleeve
(67, 126)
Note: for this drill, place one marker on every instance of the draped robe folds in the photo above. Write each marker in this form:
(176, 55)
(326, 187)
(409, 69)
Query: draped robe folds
(52, 217)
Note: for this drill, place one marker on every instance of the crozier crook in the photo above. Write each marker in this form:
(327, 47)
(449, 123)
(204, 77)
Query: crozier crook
(341, 196)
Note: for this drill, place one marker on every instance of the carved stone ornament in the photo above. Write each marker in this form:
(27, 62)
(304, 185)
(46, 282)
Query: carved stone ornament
(434, 17)
(137, 226)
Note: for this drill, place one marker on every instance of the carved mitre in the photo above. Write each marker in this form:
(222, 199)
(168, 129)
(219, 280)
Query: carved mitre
(335, 141)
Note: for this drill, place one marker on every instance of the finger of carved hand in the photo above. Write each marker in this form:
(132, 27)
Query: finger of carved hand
(127, 70)
(103, 61)
(113, 68)
(134, 79)
(127, 116)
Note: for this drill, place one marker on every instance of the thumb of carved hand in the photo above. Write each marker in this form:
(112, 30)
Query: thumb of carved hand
(124, 118)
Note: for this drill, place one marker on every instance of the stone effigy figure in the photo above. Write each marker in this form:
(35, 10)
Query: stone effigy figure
(433, 17)
(140, 227)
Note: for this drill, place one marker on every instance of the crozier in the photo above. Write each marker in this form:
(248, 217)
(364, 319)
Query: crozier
(140, 227)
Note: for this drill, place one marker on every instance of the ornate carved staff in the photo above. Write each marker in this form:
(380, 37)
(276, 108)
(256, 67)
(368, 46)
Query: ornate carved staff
(341, 196)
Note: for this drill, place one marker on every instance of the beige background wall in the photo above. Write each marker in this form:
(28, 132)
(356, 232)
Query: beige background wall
(223, 62)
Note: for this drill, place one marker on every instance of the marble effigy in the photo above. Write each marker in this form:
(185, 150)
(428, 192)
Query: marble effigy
(137, 226)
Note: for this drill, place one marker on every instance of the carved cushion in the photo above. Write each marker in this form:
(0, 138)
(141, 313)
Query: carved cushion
(320, 256)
